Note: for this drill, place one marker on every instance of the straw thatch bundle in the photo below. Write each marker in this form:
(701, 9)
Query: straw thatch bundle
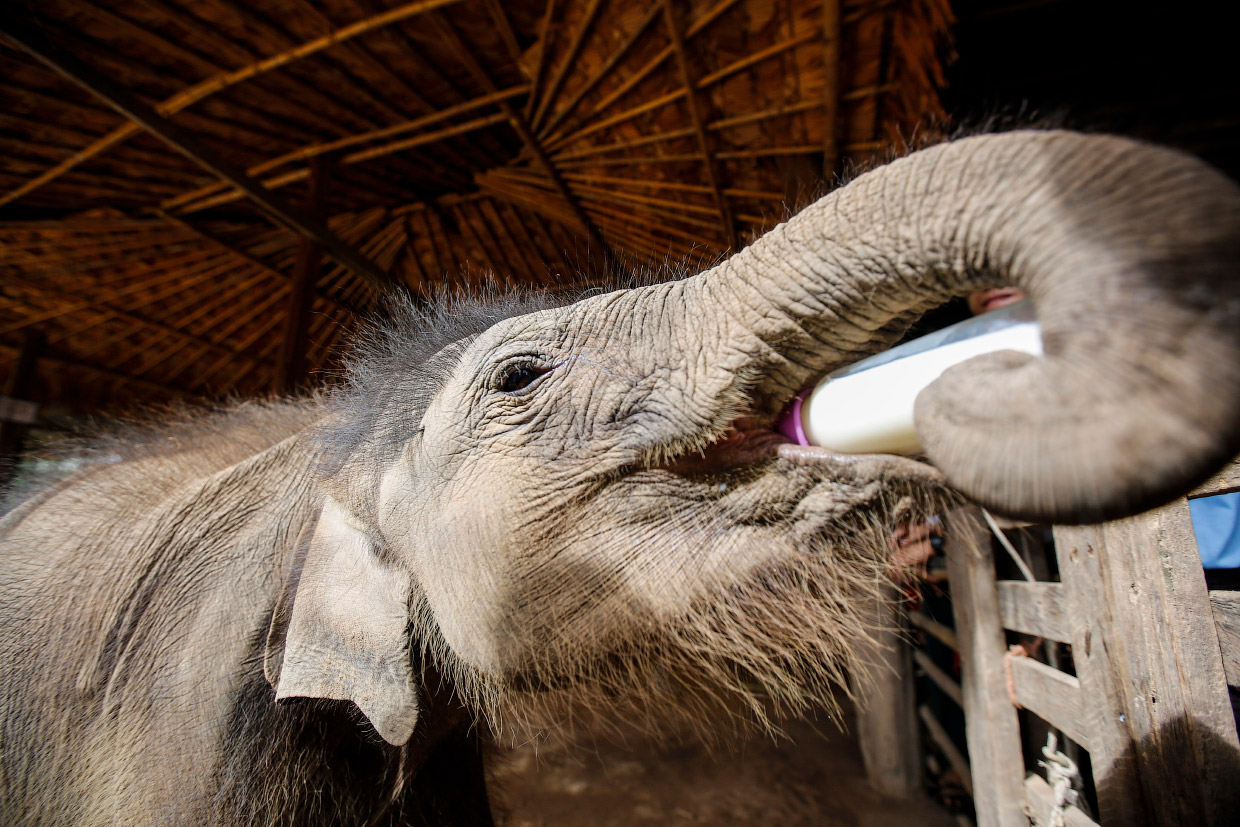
(450, 139)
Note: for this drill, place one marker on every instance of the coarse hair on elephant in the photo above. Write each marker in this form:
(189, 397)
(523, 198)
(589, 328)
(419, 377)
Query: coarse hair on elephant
(528, 509)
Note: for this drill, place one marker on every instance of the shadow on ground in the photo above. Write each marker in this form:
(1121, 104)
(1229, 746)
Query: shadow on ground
(812, 778)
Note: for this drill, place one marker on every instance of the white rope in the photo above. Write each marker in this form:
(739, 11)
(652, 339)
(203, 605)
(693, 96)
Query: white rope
(1061, 774)
(1007, 546)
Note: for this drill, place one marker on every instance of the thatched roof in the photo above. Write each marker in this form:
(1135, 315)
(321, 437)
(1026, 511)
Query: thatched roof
(156, 159)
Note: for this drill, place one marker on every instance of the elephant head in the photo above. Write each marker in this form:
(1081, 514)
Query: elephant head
(589, 500)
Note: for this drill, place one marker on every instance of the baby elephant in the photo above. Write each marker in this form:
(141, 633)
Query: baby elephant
(308, 612)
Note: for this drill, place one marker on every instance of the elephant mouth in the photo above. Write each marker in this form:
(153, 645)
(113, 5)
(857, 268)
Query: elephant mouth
(742, 445)
(746, 444)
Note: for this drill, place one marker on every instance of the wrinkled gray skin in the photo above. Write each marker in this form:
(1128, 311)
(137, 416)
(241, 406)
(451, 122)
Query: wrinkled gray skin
(446, 541)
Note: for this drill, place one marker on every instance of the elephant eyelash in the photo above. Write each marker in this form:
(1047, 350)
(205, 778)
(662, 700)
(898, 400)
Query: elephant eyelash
(520, 376)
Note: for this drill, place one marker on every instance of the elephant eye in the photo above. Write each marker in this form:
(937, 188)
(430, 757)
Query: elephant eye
(518, 377)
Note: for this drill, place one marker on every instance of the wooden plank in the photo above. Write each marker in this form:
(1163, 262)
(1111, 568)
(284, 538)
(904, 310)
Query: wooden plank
(991, 722)
(1224, 482)
(1033, 608)
(886, 718)
(940, 737)
(1051, 695)
(1041, 800)
(941, 679)
(944, 634)
(29, 40)
(1163, 737)
(1225, 606)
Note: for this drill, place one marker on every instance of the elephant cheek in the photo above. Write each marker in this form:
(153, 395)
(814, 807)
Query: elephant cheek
(450, 546)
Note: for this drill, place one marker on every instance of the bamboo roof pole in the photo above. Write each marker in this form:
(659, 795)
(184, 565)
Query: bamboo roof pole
(695, 105)
(557, 142)
(366, 57)
(502, 25)
(695, 26)
(105, 296)
(474, 240)
(764, 115)
(530, 199)
(638, 161)
(212, 85)
(203, 309)
(233, 249)
(518, 122)
(61, 360)
(411, 255)
(467, 156)
(163, 45)
(309, 151)
(530, 250)
(260, 332)
(507, 253)
(182, 286)
(545, 231)
(105, 309)
(625, 146)
(365, 231)
(30, 41)
(532, 268)
(70, 259)
(606, 207)
(547, 94)
(674, 186)
(444, 235)
(231, 194)
(544, 29)
(547, 129)
(46, 144)
(671, 208)
(350, 96)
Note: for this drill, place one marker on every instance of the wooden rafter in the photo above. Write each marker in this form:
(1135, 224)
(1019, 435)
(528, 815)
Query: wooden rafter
(694, 105)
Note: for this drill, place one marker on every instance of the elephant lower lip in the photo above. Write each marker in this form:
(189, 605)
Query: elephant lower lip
(868, 465)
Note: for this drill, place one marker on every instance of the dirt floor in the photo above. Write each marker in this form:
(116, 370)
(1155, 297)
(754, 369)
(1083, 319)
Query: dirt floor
(812, 778)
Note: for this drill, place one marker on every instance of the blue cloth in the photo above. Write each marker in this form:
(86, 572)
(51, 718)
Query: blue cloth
(1216, 522)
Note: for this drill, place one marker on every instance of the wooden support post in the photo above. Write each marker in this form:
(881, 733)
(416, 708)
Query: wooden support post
(991, 723)
(1164, 746)
(831, 89)
(19, 386)
(886, 709)
(291, 367)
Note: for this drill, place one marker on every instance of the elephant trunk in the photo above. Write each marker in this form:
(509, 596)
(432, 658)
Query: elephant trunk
(1127, 251)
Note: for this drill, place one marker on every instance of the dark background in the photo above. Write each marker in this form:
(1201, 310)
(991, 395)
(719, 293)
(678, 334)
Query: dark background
(1162, 71)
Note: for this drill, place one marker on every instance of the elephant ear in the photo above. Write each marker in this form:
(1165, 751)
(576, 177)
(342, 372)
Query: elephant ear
(340, 626)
